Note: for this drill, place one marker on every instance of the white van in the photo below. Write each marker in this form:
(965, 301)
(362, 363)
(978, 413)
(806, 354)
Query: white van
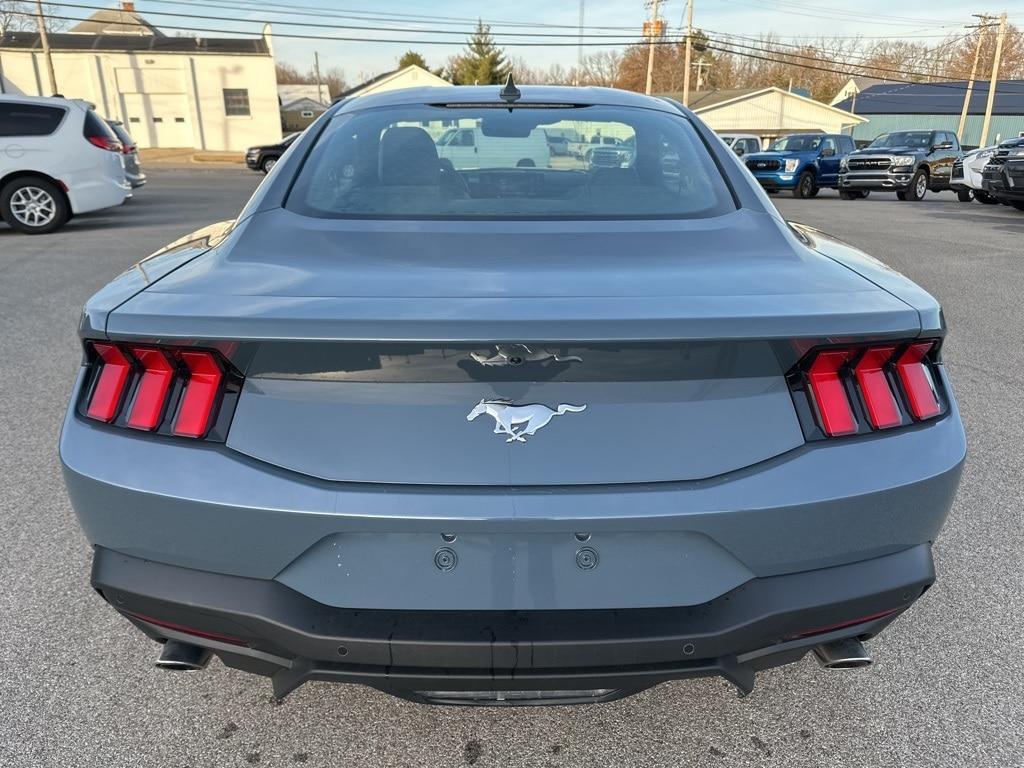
(57, 158)
(470, 148)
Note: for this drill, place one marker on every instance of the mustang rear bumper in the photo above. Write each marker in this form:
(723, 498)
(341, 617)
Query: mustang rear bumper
(264, 627)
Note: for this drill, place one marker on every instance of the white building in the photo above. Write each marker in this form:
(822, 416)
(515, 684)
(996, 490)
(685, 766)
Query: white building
(768, 112)
(203, 93)
(413, 76)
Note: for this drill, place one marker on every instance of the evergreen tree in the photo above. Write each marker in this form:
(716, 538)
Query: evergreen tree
(482, 63)
(412, 57)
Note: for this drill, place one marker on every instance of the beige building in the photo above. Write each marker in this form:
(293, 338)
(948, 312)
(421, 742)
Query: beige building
(204, 93)
(768, 113)
(413, 76)
(853, 86)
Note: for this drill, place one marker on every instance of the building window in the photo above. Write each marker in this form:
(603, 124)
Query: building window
(236, 101)
(306, 113)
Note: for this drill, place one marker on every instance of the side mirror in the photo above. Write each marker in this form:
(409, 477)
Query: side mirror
(943, 145)
(740, 151)
(826, 152)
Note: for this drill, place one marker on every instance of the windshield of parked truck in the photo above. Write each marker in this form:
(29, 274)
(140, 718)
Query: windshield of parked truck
(469, 162)
(797, 143)
(913, 139)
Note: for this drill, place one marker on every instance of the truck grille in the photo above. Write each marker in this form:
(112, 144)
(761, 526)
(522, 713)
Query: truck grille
(868, 163)
(958, 168)
(764, 165)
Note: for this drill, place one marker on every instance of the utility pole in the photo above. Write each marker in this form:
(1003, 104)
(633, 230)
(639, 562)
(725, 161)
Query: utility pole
(982, 30)
(689, 53)
(996, 61)
(46, 46)
(579, 51)
(652, 31)
(319, 87)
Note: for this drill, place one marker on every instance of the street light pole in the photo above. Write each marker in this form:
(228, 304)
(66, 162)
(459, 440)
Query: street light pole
(46, 46)
(996, 61)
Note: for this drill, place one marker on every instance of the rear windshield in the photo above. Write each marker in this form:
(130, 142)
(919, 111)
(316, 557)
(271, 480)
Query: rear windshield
(471, 161)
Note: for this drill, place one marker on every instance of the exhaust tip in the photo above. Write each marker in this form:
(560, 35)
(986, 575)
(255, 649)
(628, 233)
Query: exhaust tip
(843, 654)
(182, 657)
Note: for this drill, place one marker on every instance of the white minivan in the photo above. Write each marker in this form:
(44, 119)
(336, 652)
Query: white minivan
(472, 148)
(58, 158)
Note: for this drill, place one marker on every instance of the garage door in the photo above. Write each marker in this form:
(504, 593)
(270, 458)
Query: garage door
(158, 119)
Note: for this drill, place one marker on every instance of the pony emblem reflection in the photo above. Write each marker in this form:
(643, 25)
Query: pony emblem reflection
(528, 418)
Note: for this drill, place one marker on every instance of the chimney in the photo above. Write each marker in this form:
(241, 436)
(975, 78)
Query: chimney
(127, 6)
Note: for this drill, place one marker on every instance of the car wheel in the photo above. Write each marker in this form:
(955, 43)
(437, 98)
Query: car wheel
(1018, 204)
(268, 164)
(918, 186)
(985, 197)
(965, 195)
(901, 195)
(526, 163)
(805, 186)
(844, 195)
(34, 206)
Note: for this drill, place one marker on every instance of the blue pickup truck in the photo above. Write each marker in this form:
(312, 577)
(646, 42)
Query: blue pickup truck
(801, 162)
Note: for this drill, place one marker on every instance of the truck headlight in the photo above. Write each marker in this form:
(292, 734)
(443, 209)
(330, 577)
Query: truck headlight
(1018, 152)
(844, 164)
(792, 164)
(903, 160)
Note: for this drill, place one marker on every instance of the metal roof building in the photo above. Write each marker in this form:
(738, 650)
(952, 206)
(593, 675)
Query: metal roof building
(936, 106)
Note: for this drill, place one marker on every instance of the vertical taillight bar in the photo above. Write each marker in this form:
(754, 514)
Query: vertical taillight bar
(151, 394)
(916, 378)
(879, 401)
(110, 382)
(200, 396)
(829, 394)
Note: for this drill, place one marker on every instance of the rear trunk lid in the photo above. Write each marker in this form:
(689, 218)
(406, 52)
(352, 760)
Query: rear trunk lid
(595, 352)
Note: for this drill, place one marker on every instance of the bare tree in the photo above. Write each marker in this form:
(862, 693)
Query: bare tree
(20, 16)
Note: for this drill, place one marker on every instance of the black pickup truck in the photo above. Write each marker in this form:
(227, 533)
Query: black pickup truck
(908, 163)
(1003, 176)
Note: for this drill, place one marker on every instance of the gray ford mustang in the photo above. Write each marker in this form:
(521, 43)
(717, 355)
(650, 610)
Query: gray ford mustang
(471, 423)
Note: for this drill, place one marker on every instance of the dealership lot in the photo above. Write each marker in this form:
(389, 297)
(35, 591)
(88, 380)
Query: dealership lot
(78, 687)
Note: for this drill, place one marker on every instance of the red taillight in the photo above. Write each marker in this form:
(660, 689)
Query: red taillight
(105, 142)
(172, 390)
(187, 630)
(110, 382)
(151, 393)
(830, 394)
(916, 378)
(200, 394)
(879, 401)
(851, 388)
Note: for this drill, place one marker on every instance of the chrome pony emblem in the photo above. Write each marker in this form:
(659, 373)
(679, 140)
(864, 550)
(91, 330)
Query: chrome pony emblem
(517, 354)
(528, 418)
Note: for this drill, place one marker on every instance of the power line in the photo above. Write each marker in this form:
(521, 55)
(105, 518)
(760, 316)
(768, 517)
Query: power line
(320, 25)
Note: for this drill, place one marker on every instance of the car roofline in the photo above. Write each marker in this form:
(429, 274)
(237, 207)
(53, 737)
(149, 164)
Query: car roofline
(488, 94)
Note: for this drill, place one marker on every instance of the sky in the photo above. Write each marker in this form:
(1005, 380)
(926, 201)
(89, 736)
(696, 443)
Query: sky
(791, 20)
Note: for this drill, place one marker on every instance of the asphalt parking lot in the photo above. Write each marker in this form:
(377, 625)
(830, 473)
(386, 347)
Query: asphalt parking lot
(77, 685)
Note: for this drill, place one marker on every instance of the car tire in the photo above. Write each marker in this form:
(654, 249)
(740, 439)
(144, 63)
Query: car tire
(965, 195)
(985, 198)
(854, 194)
(34, 206)
(526, 163)
(918, 186)
(901, 195)
(268, 164)
(805, 186)
(1018, 204)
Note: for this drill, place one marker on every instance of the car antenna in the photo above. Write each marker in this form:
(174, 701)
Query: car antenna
(510, 94)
